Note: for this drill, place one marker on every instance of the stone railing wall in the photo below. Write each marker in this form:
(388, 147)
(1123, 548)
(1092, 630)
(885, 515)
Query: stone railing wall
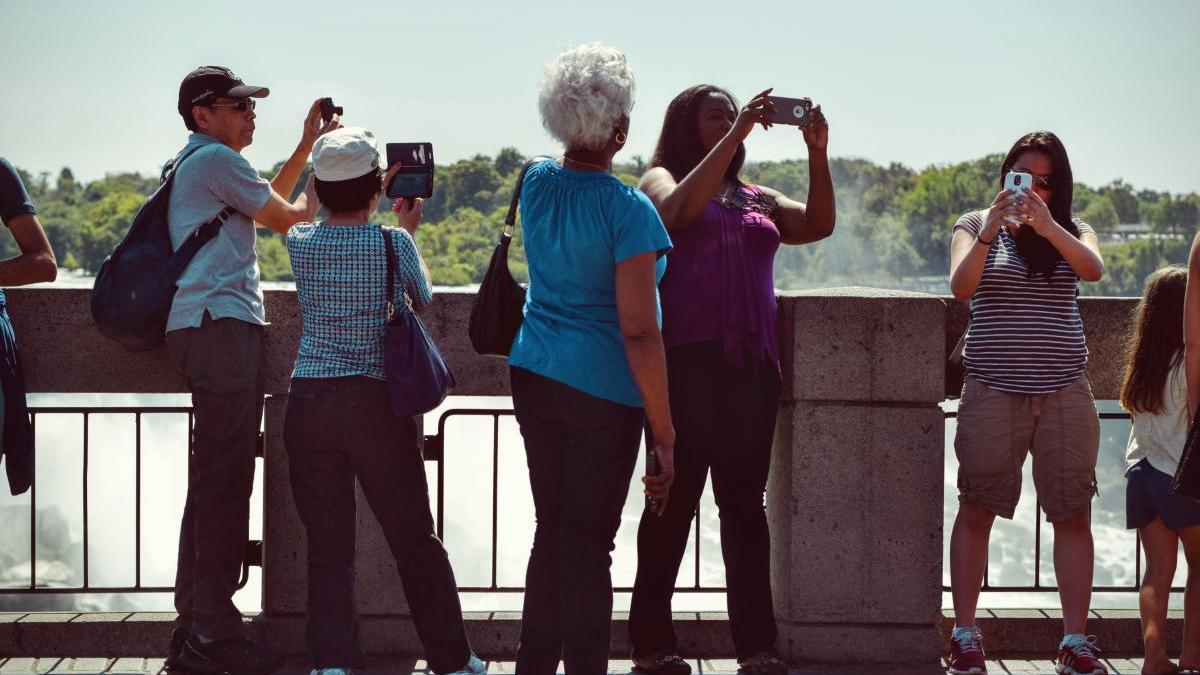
(855, 494)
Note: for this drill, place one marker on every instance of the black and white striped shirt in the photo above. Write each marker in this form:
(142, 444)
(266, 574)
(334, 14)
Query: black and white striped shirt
(1026, 336)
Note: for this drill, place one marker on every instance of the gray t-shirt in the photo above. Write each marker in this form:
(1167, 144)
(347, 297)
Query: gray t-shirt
(223, 277)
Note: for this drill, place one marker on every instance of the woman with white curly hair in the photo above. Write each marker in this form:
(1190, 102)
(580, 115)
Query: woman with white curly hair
(587, 366)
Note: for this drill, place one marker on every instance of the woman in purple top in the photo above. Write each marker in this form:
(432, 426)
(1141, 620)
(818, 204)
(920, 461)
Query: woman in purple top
(718, 302)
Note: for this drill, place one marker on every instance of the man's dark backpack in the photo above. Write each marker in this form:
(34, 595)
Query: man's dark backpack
(136, 284)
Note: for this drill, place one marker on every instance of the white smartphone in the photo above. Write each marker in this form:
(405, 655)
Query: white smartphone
(1018, 181)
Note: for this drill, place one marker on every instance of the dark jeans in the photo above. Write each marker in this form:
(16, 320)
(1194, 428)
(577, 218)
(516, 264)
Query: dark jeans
(336, 430)
(581, 452)
(222, 360)
(724, 421)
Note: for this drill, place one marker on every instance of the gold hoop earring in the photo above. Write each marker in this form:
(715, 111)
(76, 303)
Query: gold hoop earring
(621, 137)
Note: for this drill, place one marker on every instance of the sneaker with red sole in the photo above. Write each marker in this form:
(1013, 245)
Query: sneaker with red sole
(966, 653)
(1077, 656)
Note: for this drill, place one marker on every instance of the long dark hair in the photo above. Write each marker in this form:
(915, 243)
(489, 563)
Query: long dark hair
(1155, 344)
(1037, 251)
(678, 149)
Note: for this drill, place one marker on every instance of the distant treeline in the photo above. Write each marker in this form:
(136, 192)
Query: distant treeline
(893, 223)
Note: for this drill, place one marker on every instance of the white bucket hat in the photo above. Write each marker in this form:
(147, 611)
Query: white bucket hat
(345, 153)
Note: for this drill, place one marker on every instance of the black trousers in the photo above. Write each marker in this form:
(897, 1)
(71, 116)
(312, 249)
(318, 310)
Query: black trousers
(724, 422)
(581, 452)
(337, 430)
(222, 360)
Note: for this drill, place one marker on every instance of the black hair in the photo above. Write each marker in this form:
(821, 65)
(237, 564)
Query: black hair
(189, 120)
(679, 150)
(353, 194)
(1037, 251)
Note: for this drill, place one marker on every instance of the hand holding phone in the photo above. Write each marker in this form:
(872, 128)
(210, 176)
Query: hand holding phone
(414, 178)
(1018, 182)
(328, 109)
(793, 111)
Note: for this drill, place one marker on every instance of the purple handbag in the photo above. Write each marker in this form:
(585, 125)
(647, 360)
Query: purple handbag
(417, 375)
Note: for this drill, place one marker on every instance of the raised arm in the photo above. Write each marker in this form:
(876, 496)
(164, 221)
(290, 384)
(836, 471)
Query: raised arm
(1082, 253)
(680, 203)
(969, 252)
(279, 215)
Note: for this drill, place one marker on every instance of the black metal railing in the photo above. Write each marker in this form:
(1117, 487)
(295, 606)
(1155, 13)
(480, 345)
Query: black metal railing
(253, 555)
(1037, 585)
(435, 450)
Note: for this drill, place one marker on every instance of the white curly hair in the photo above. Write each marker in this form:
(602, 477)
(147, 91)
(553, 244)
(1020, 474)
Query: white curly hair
(584, 93)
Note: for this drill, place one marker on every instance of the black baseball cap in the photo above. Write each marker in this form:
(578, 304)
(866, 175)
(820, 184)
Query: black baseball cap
(204, 84)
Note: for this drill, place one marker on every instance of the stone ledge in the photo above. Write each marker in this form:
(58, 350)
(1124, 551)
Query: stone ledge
(1009, 633)
(493, 634)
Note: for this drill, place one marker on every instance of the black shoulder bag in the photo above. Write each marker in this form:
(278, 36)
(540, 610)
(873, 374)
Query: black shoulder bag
(499, 306)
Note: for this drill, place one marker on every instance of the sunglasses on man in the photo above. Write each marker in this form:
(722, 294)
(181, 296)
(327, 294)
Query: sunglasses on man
(240, 105)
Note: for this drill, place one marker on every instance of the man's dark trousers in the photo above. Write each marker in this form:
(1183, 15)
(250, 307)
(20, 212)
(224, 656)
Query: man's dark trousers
(222, 360)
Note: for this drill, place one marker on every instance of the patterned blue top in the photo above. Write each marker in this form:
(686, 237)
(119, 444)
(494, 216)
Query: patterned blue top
(339, 272)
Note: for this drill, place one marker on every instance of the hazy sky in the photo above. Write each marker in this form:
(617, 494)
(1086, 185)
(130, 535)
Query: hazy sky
(93, 85)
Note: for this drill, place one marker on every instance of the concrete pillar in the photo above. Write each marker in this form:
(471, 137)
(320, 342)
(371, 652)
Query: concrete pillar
(855, 494)
(285, 579)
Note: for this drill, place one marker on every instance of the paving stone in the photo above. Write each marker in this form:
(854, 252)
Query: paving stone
(17, 666)
(127, 665)
(90, 665)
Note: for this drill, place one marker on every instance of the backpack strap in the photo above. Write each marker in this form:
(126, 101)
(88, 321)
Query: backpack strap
(168, 170)
(212, 228)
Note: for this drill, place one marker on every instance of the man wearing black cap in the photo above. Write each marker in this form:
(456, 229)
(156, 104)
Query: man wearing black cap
(215, 339)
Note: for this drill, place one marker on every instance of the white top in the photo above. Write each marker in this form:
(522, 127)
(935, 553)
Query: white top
(1161, 438)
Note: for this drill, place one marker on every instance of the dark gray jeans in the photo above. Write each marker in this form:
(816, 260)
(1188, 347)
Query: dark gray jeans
(581, 452)
(336, 430)
(222, 360)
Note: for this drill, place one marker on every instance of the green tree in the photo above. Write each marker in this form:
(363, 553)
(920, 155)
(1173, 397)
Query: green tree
(1124, 201)
(1101, 214)
(104, 223)
(509, 159)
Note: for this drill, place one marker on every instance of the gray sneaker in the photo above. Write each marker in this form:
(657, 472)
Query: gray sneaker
(473, 666)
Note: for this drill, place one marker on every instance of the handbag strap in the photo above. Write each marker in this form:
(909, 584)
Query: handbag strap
(510, 220)
(390, 280)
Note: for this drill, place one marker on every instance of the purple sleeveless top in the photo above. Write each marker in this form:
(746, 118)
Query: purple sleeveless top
(720, 281)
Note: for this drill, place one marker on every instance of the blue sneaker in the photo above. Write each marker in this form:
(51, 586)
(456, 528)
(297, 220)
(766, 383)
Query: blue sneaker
(473, 666)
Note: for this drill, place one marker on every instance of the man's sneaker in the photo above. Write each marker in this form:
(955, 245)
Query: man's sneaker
(331, 671)
(1077, 656)
(763, 663)
(966, 652)
(662, 662)
(473, 667)
(237, 656)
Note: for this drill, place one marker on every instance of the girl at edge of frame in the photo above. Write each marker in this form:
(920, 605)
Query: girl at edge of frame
(719, 313)
(1154, 391)
(1025, 392)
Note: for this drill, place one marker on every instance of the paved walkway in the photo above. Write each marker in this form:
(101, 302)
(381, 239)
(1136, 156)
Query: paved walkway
(394, 666)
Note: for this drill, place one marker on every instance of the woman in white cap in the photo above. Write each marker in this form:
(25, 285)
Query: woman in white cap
(339, 425)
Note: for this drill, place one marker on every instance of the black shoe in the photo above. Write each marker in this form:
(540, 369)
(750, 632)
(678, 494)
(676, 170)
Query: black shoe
(237, 656)
(662, 662)
(763, 663)
(172, 663)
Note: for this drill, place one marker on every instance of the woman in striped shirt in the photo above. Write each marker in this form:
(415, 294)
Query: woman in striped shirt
(1018, 262)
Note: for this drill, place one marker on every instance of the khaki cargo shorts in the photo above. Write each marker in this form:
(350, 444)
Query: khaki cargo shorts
(997, 430)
